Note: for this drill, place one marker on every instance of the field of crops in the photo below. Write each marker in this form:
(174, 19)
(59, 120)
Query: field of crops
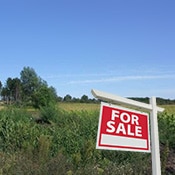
(79, 106)
(61, 140)
(170, 109)
(93, 107)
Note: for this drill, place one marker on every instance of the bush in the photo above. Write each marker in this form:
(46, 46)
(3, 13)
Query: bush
(167, 129)
(49, 114)
(67, 145)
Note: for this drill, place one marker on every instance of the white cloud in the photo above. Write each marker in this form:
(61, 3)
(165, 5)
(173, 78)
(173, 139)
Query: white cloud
(122, 78)
(75, 75)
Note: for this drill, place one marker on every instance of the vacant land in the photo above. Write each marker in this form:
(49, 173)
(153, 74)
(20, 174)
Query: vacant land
(91, 107)
(79, 106)
(169, 108)
(62, 141)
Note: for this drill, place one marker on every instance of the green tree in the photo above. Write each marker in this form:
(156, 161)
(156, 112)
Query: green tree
(44, 96)
(53, 92)
(4, 94)
(30, 89)
(30, 82)
(11, 91)
(8, 90)
(16, 91)
(84, 99)
(59, 99)
(67, 98)
(35, 90)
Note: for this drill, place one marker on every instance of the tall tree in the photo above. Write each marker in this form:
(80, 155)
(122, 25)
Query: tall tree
(16, 89)
(35, 90)
(30, 82)
(9, 87)
(11, 91)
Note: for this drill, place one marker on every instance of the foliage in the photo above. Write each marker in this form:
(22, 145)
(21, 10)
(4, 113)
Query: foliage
(30, 82)
(49, 114)
(36, 90)
(167, 132)
(11, 92)
(67, 145)
(43, 97)
(67, 98)
(84, 99)
(79, 106)
(30, 89)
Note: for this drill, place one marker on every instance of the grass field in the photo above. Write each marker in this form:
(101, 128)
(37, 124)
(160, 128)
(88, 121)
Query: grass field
(79, 106)
(170, 109)
(66, 144)
(91, 107)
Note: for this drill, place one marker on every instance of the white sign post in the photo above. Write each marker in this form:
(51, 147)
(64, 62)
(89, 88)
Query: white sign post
(156, 168)
(152, 108)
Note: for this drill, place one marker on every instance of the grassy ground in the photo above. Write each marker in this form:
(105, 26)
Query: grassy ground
(170, 109)
(90, 106)
(79, 106)
(75, 134)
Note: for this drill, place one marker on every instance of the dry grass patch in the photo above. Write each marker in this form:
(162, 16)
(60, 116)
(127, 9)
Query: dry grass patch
(79, 106)
(170, 109)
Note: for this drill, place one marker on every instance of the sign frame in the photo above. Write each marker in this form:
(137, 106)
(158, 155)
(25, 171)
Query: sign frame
(129, 143)
(153, 109)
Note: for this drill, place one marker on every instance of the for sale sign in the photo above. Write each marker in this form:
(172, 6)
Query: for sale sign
(123, 129)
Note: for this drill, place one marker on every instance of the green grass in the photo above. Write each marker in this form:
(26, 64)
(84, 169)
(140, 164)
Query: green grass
(79, 106)
(91, 107)
(169, 108)
(67, 144)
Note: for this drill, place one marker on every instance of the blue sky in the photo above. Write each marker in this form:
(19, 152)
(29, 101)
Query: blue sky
(122, 47)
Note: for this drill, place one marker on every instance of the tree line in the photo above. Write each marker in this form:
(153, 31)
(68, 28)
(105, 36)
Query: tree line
(31, 89)
(159, 100)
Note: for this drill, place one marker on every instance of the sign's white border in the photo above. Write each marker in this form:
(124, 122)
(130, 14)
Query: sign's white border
(133, 141)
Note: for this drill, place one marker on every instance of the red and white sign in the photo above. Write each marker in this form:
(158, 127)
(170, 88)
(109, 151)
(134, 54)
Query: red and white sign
(123, 129)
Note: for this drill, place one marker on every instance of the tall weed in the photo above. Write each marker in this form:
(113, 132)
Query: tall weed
(67, 145)
(167, 129)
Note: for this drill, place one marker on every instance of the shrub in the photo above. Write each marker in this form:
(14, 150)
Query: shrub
(67, 145)
(49, 114)
(167, 129)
